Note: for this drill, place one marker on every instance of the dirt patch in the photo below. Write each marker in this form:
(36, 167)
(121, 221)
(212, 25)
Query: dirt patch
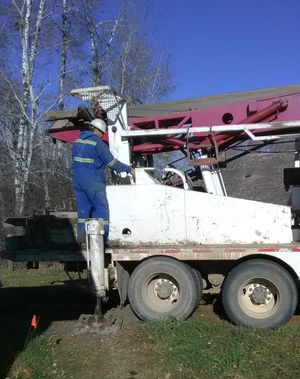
(126, 314)
(131, 353)
(127, 354)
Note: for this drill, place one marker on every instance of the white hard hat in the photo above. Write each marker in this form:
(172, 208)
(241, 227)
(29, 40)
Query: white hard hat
(99, 124)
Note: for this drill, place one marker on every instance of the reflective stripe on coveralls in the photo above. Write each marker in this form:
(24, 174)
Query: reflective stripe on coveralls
(83, 160)
(112, 163)
(83, 220)
(86, 142)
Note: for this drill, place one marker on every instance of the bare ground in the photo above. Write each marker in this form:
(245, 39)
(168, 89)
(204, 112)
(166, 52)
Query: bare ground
(130, 353)
(127, 354)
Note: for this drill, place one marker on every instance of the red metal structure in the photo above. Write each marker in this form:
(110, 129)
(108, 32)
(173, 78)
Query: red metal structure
(265, 110)
(269, 106)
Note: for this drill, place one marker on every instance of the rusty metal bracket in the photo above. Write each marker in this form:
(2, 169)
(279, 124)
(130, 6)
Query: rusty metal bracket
(204, 161)
(215, 146)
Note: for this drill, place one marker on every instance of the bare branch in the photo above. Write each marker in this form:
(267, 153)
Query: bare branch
(36, 34)
(24, 113)
(20, 11)
(157, 73)
(53, 172)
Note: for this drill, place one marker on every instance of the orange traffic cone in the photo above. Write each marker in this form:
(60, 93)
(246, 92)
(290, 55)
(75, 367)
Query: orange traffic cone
(34, 322)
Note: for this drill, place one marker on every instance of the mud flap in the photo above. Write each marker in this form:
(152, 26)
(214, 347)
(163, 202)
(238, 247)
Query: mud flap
(123, 277)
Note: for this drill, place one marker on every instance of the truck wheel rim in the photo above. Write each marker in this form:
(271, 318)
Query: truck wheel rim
(259, 298)
(161, 292)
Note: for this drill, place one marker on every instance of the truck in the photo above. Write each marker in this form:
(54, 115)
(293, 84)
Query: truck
(175, 233)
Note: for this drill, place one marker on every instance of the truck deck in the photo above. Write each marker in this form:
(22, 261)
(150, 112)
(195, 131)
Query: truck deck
(203, 252)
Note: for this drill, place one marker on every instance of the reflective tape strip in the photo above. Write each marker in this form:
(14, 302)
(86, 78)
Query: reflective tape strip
(86, 142)
(112, 163)
(83, 160)
(81, 220)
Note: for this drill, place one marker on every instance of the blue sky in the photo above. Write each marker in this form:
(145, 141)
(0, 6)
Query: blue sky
(220, 46)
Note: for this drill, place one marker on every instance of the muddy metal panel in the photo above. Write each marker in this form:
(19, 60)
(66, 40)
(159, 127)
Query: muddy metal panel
(160, 215)
(146, 214)
(228, 220)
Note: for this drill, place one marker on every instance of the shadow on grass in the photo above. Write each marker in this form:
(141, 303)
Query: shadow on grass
(51, 303)
(215, 301)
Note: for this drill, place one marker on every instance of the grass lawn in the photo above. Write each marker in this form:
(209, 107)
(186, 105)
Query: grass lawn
(221, 350)
(35, 361)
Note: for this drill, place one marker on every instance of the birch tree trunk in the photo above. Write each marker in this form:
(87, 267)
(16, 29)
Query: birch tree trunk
(94, 51)
(29, 106)
(63, 57)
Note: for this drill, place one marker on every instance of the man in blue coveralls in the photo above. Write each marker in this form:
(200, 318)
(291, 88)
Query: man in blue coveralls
(90, 156)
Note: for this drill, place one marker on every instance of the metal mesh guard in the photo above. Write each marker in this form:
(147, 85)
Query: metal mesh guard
(90, 93)
(104, 96)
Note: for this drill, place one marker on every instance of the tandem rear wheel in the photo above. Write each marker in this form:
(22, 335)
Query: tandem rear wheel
(163, 287)
(259, 293)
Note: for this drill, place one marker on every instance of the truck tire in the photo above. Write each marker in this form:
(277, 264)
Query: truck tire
(259, 293)
(162, 287)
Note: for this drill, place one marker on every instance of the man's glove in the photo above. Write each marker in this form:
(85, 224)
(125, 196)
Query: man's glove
(132, 173)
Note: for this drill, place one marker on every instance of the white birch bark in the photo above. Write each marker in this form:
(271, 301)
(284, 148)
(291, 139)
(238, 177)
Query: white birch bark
(63, 57)
(94, 50)
(29, 116)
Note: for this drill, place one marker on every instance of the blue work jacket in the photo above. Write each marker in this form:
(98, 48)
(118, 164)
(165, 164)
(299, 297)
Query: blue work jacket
(90, 156)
